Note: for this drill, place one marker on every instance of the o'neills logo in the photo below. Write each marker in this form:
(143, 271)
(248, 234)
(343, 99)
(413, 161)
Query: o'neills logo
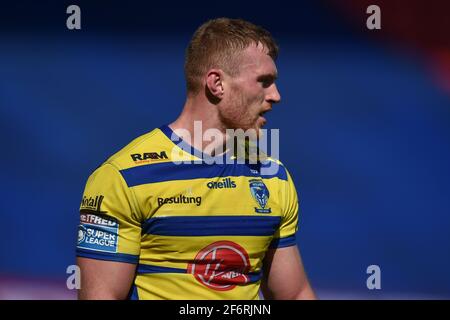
(225, 183)
(181, 199)
(91, 203)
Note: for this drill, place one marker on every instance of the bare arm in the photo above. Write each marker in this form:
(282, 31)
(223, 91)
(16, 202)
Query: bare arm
(285, 277)
(105, 280)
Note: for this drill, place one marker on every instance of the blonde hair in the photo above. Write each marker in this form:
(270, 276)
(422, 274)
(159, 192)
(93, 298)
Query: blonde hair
(217, 44)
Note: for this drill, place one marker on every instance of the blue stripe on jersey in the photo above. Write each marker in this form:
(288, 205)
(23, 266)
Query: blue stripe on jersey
(146, 268)
(254, 276)
(283, 242)
(186, 146)
(108, 256)
(169, 171)
(134, 294)
(212, 226)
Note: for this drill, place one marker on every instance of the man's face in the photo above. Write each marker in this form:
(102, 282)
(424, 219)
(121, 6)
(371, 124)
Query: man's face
(251, 93)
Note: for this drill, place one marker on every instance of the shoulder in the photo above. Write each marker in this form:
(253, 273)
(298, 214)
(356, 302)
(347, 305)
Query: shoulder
(150, 148)
(272, 167)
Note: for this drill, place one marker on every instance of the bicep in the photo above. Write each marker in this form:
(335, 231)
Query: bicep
(284, 275)
(105, 279)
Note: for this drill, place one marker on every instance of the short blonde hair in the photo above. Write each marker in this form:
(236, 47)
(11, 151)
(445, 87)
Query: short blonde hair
(217, 43)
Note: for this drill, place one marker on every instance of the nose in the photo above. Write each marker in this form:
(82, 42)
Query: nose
(273, 95)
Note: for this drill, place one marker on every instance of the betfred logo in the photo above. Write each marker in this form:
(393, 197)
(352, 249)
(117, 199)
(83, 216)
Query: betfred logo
(97, 220)
(221, 266)
(148, 156)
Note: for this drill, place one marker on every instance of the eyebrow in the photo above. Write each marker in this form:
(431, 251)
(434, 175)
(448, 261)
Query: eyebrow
(267, 77)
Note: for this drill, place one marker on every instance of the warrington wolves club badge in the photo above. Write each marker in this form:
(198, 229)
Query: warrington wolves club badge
(261, 195)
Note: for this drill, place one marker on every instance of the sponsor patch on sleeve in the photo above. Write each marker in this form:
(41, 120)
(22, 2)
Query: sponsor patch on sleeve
(98, 233)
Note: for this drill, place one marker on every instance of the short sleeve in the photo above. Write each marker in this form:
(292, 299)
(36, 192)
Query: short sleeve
(110, 228)
(286, 234)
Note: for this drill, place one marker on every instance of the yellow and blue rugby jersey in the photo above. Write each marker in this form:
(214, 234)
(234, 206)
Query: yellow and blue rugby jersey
(195, 230)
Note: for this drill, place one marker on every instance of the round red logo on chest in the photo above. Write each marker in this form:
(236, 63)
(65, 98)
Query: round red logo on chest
(221, 266)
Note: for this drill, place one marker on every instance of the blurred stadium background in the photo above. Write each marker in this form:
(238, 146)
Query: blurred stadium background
(365, 130)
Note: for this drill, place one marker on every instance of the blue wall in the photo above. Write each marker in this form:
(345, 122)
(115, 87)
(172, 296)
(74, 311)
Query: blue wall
(365, 132)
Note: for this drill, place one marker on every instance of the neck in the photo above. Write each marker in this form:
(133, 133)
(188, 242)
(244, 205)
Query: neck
(198, 116)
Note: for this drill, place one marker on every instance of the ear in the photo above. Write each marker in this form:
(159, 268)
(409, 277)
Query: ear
(214, 82)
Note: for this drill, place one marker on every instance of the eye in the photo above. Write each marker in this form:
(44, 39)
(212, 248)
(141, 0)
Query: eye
(266, 81)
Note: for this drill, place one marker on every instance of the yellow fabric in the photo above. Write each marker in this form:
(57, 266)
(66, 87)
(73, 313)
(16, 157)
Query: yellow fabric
(195, 231)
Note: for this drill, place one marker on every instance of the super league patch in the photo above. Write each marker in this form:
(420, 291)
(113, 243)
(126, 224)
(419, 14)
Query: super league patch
(98, 233)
